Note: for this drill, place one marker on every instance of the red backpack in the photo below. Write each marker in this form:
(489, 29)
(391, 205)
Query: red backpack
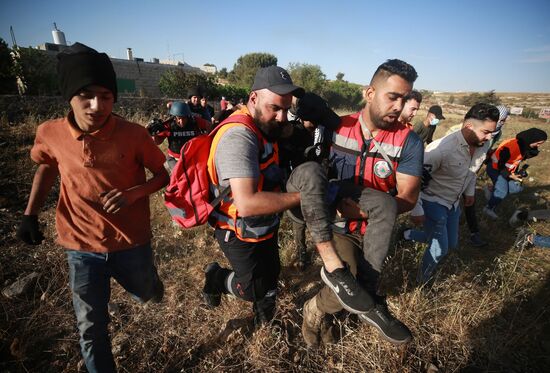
(187, 197)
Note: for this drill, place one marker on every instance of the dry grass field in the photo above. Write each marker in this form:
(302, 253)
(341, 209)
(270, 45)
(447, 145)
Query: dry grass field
(487, 311)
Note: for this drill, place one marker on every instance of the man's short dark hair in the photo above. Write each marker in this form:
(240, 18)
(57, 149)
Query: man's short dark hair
(483, 111)
(396, 67)
(414, 95)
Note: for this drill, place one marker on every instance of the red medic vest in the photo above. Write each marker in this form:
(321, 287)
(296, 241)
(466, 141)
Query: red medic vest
(366, 166)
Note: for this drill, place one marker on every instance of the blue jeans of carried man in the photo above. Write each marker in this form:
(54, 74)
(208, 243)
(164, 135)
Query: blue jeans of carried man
(89, 278)
(441, 234)
(502, 187)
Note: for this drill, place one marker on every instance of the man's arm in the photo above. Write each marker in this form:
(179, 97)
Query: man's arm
(250, 202)
(409, 173)
(29, 229)
(44, 178)
(115, 199)
(408, 189)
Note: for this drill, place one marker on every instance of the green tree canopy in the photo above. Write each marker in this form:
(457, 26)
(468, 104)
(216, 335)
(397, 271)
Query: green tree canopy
(7, 75)
(476, 97)
(340, 76)
(37, 71)
(246, 66)
(222, 73)
(343, 95)
(309, 77)
(176, 82)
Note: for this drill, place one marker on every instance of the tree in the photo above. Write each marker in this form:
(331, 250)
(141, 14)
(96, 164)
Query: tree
(343, 95)
(175, 83)
(246, 66)
(309, 77)
(451, 99)
(340, 76)
(426, 94)
(223, 73)
(7, 77)
(476, 98)
(37, 71)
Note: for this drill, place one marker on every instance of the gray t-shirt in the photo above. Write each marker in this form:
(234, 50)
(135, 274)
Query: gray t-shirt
(237, 155)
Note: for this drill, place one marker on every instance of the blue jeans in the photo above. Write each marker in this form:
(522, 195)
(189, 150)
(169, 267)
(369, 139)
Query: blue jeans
(541, 241)
(502, 187)
(89, 276)
(441, 234)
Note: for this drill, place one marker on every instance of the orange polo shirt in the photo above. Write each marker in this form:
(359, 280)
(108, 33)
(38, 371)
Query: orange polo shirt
(115, 156)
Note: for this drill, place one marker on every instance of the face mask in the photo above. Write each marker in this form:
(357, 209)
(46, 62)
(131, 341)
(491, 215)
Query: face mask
(434, 122)
(532, 152)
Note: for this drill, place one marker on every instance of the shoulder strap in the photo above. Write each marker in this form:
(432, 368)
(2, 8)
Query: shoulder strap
(248, 122)
(376, 144)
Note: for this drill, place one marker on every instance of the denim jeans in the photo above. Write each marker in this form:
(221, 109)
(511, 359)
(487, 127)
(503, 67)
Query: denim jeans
(316, 198)
(89, 278)
(541, 241)
(441, 234)
(311, 181)
(502, 187)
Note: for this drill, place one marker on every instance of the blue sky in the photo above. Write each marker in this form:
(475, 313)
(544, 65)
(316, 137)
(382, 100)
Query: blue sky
(454, 45)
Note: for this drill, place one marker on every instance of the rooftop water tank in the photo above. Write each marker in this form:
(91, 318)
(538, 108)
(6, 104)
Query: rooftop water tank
(58, 36)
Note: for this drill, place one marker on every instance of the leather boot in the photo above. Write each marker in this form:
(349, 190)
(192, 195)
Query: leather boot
(328, 329)
(311, 325)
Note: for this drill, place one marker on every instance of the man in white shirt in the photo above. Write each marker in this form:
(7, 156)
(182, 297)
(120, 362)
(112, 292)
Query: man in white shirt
(451, 163)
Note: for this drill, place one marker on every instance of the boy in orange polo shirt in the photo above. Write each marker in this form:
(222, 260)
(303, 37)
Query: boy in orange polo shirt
(102, 217)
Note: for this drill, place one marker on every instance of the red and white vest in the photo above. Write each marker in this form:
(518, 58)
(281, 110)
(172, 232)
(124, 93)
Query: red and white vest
(366, 166)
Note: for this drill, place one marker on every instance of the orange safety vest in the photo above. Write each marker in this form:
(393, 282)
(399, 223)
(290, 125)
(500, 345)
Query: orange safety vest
(515, 155)
(366, 167)
(226, 215)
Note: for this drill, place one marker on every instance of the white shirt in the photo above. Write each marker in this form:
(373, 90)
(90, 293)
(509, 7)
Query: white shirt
(453, 170)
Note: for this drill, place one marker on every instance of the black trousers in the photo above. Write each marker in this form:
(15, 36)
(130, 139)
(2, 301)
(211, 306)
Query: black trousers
(256, 265)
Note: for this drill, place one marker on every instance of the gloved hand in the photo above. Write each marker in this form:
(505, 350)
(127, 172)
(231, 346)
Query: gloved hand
(29, 231)
(155, 126)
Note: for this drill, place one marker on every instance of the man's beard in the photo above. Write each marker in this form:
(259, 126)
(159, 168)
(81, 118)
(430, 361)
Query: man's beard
(379, 122)
(271, 130)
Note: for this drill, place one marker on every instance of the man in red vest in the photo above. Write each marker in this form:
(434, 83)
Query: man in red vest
(412, 104)
(373, 150)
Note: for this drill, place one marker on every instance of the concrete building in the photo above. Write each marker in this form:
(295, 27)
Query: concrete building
(209, 68)
(134, 75)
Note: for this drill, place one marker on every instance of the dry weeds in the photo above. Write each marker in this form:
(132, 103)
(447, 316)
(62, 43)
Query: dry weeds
(486, 311)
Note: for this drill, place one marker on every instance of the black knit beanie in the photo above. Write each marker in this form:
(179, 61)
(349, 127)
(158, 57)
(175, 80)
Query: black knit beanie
(79, 66)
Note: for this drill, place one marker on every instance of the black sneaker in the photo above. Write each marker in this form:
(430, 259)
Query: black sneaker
(390, 328)
(159, 292)
(212, 297)
(476, 240)
(349, 293)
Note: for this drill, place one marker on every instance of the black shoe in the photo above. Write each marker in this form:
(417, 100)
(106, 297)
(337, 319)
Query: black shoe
(159, 292)
(390, 328)
(400, 234)
(349, 293)
(212, 297)
(264, 309)
(476, 240)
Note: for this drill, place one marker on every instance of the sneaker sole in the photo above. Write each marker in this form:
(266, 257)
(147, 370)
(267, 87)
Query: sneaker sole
(384, 335)
(329, 284)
